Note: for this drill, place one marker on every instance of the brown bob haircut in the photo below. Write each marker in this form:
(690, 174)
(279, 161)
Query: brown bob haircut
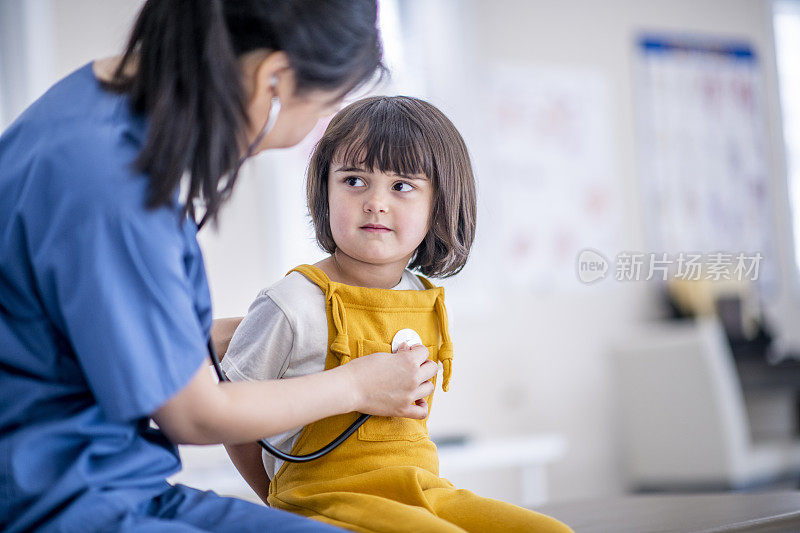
(402, 135)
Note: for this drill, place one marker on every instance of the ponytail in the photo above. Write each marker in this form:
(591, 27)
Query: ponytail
(180, 69)
(187, 82)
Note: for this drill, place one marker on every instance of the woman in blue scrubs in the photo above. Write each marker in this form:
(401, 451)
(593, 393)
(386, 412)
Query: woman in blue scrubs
(104, 306)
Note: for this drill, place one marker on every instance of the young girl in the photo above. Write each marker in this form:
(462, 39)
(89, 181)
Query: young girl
(390, 190)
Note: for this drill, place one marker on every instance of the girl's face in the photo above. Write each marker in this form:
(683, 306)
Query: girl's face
(377, 217)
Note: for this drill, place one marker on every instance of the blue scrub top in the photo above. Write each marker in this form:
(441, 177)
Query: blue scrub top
(104, 308)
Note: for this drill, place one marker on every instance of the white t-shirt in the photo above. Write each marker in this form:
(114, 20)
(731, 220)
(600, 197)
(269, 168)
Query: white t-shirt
(284, 335)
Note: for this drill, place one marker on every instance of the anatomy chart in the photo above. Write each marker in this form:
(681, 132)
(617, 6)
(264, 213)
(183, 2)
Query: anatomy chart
(702, 149)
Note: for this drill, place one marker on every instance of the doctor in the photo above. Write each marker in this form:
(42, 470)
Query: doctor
(104, 307)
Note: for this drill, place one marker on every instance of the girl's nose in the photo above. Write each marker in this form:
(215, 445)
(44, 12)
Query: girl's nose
(376, 203)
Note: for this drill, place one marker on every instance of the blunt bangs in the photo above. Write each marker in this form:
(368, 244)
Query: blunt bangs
(383, 138)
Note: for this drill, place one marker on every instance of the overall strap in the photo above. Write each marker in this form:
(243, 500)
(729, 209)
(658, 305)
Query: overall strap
(446, 349)
(426, 282)
(341, 342)
(314, 274)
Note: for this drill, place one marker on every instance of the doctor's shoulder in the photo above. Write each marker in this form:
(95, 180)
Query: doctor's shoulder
(81, 143)
(89, 167)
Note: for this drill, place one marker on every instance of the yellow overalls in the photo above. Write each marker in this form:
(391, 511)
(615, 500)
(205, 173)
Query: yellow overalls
(386, 478)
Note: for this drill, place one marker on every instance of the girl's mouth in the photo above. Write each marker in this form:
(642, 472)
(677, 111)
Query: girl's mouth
(375, 228)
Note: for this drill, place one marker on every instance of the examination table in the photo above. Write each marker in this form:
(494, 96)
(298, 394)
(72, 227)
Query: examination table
(760, 512)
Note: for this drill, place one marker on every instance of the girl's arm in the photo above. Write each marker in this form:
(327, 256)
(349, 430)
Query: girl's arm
(207, 412)
(247, 460)
(221, 332)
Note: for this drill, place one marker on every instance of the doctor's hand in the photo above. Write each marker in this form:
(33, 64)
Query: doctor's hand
(207, 412)
(393, 384)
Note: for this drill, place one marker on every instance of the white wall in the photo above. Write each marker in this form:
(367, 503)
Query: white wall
(88, 30)
(525, 363)
(43, 40)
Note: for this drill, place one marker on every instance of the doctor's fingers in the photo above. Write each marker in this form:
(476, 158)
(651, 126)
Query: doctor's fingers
(427, 370)
(417, 410)
(418, 353)
(424, 390)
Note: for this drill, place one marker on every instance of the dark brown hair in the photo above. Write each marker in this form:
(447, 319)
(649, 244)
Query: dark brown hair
(403, 135)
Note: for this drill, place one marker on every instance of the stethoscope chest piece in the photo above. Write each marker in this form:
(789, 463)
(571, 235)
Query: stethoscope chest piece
(408, 336)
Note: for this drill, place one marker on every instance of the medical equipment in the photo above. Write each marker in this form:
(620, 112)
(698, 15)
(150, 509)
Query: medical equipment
(275, 451)
(407, 336)
(404, 336)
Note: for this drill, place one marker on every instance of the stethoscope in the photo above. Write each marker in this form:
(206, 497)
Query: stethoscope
(404, 336)
(275, 451)
(408, 336)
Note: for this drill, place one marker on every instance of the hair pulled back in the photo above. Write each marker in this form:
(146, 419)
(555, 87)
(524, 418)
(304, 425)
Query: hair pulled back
(185, 77)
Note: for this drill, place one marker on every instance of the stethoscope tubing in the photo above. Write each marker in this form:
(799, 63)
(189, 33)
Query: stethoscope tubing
(272, 450)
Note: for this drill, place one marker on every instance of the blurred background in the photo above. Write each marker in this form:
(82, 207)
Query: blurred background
(629, 319)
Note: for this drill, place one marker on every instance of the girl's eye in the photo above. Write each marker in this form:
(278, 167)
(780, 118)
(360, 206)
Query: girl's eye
(402, 186)
(354, 181)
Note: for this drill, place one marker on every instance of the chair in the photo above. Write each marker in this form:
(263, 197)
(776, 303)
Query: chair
(683, 418)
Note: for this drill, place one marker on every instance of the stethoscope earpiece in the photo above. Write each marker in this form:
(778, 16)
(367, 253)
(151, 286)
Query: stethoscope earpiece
(274, 111)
